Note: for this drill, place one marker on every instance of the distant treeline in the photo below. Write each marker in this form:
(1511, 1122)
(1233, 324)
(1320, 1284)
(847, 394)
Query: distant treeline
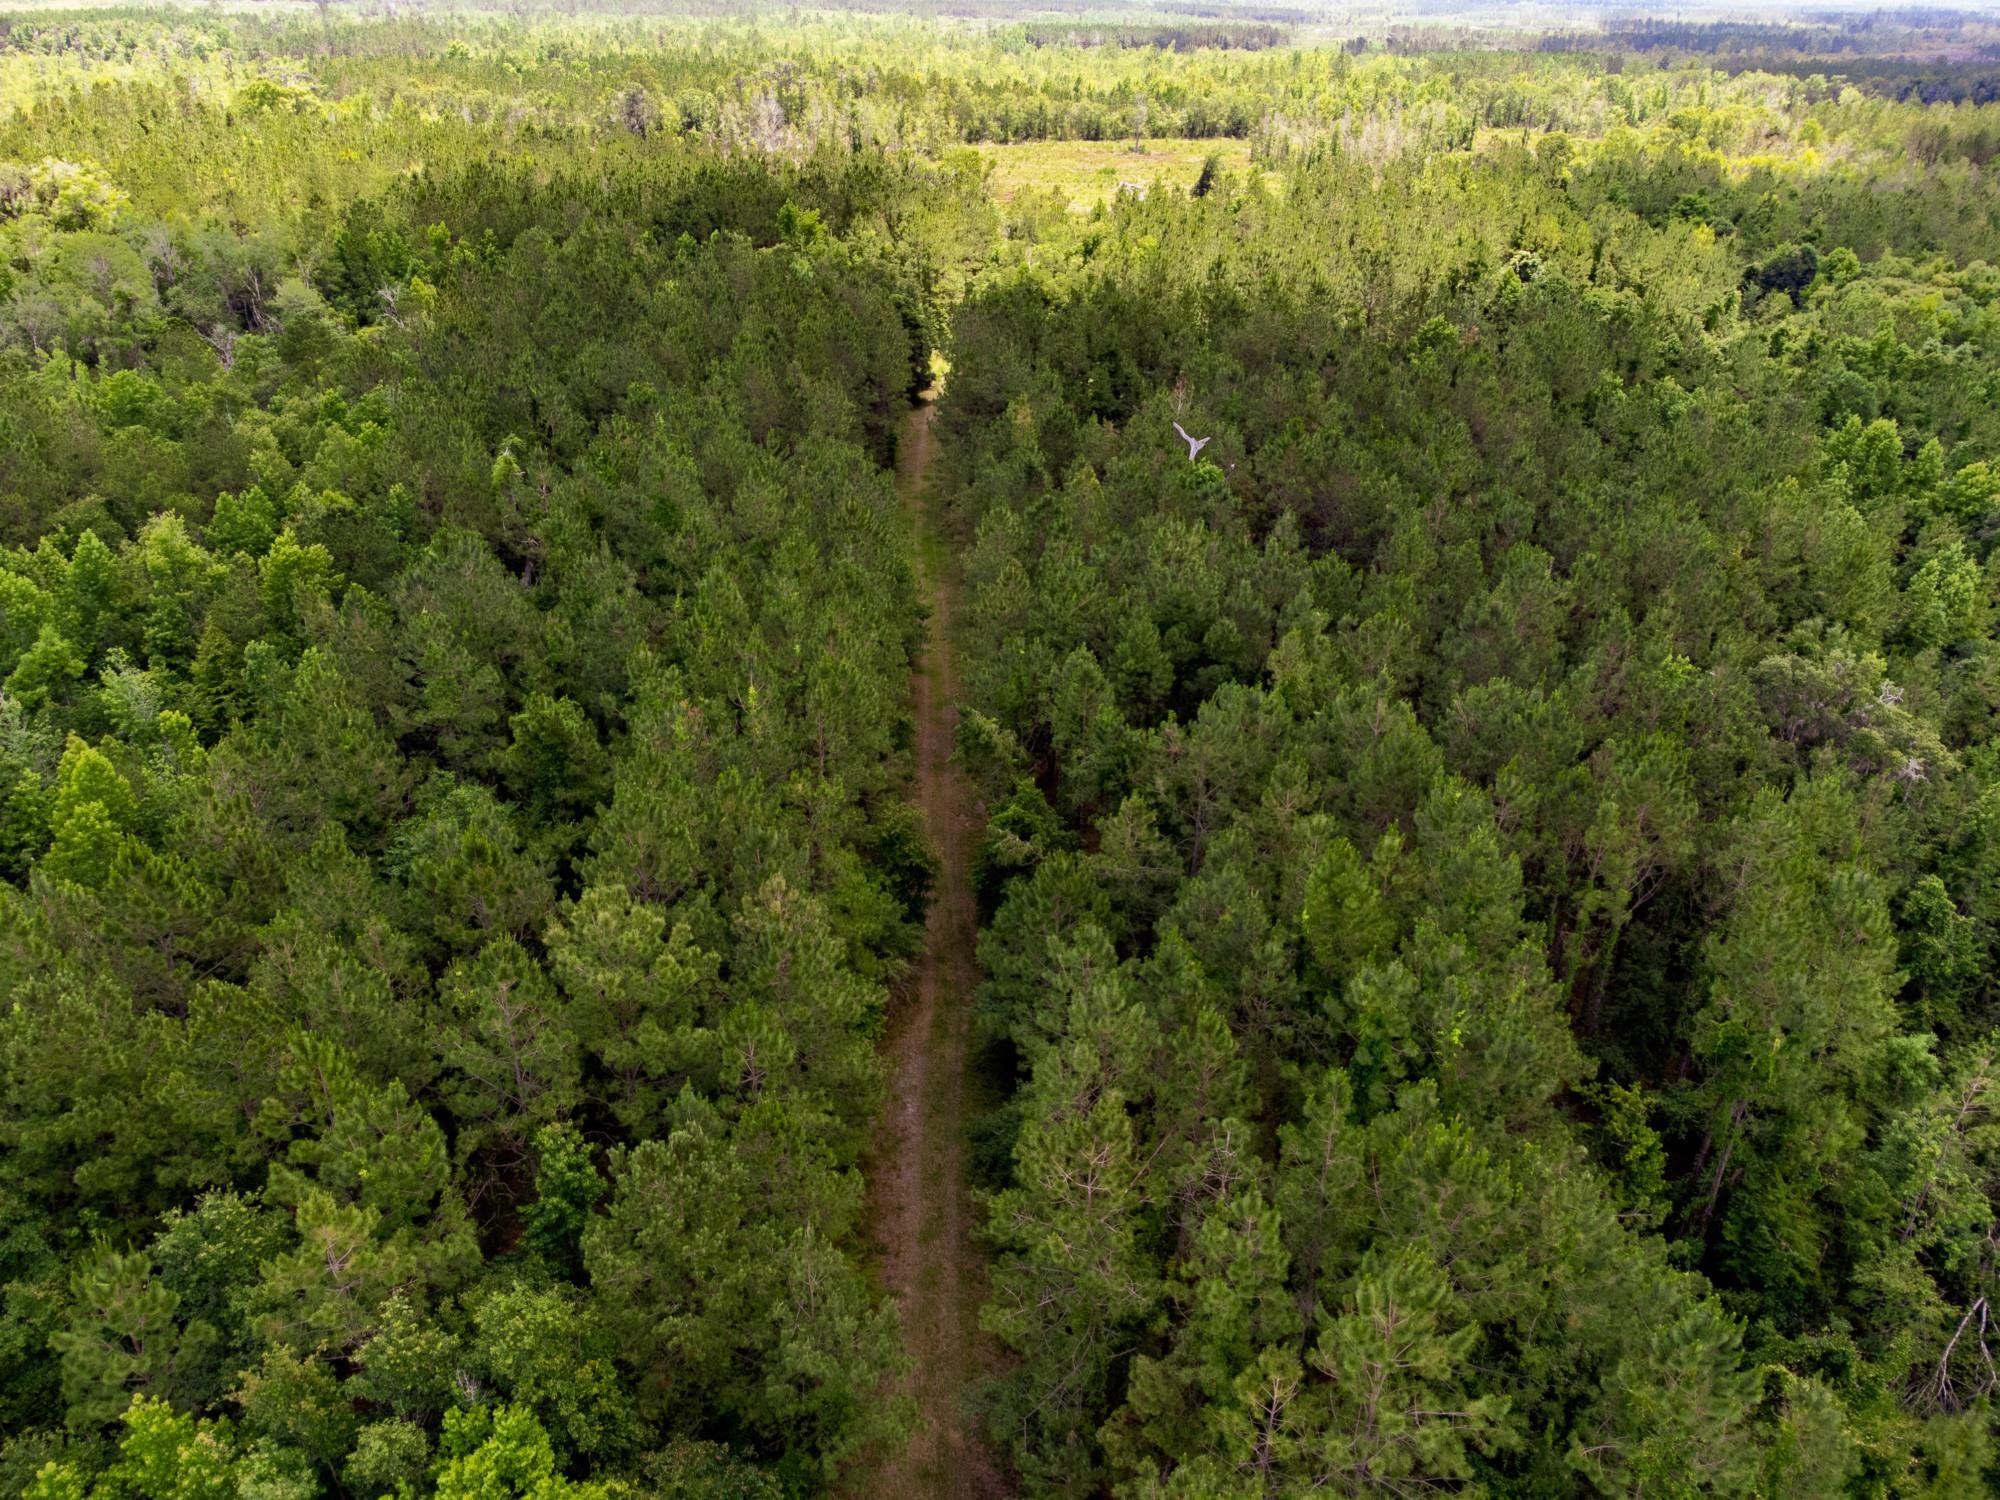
(1176, 37)
(1928, 57)
(1912, 57)
(1906, 81)
(1843, 36)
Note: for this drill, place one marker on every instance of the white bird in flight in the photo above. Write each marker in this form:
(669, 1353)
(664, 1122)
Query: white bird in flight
(1195, 444)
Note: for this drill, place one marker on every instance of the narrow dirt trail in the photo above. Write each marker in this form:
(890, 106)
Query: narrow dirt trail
(919, 1203)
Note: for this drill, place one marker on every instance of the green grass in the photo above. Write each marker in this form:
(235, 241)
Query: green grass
(1087, 173)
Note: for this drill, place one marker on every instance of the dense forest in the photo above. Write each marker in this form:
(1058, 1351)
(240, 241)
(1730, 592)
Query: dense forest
(1475, 621)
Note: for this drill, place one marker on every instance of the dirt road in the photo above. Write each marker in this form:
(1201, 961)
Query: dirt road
(919, 1204)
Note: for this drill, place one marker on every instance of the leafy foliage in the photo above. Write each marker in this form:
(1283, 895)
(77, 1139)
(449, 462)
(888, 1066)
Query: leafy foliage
(1486, 863)
(1490, 884)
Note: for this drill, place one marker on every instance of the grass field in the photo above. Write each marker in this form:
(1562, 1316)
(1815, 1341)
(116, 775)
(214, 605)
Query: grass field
(1088, 173)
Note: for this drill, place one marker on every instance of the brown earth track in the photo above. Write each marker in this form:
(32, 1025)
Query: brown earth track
(919, 1204)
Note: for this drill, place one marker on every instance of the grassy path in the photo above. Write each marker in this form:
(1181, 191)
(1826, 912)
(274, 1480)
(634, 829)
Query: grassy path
(919, 1203)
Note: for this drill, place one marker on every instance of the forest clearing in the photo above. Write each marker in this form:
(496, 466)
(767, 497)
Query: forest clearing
(1086, 175)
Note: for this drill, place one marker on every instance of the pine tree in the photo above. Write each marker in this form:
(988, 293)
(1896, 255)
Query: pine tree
(122, 1339)
(512, 1059)
(1234, 1307)
(635, 996)
(1392, 1411)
